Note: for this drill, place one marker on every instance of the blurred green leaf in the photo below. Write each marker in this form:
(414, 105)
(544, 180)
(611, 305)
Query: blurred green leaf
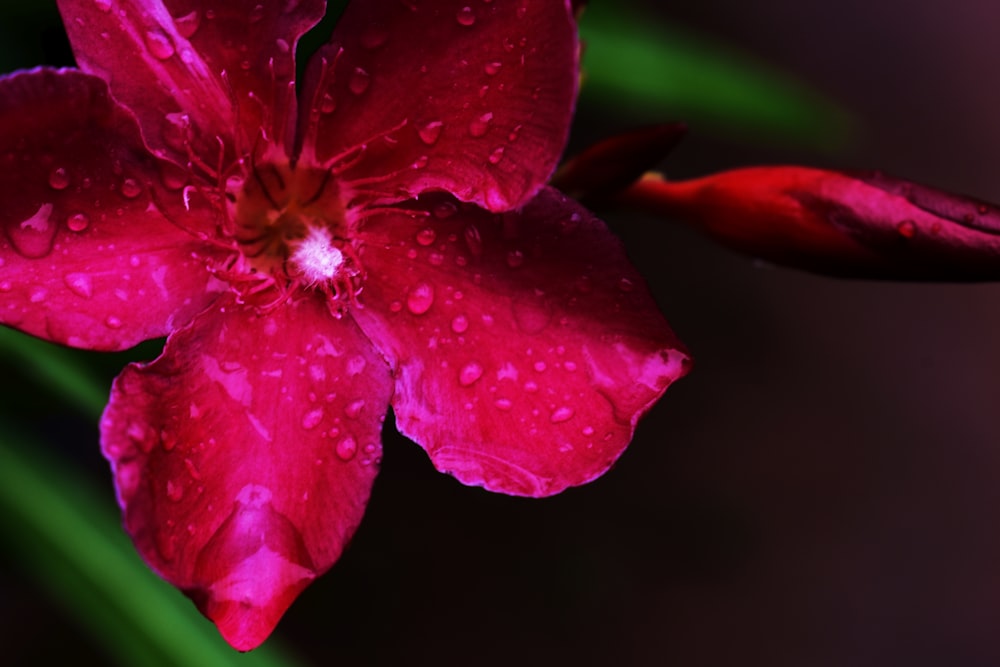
(71, 540)
(650, 72)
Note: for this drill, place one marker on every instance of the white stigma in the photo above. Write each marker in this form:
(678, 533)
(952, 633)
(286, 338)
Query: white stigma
(316, 258)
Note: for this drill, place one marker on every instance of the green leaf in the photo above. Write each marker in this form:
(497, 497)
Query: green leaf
(648, 72)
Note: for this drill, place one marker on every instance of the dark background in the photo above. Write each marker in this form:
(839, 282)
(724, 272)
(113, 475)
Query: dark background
(822, 490)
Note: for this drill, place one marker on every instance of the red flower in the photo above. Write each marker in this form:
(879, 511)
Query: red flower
(391, 241)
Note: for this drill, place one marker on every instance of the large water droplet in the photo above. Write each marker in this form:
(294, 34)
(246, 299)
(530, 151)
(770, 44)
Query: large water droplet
(496, 155)
(493, 68)
(312, 418)
(431, 132)
(561, 415)
(426, 236)
(33, 236)
(347, 448)
(188, 24)
(103, 5)
(77, 222)
(80, 284)
(159, 45)
(465, 16)
(470, 372)
(131, 188)
(354, 408)
(479, 126)
(907, 229)
(460, 324)
(359, 82)
(420, 299)
(58, 179)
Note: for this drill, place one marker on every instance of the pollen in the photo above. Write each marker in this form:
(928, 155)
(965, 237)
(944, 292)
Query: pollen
(315, 258)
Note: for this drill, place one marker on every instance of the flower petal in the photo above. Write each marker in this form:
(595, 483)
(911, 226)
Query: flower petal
(85, 259)
(525, 346)
(192, 74)
(858, 225)
(245, 454)
(471, 98)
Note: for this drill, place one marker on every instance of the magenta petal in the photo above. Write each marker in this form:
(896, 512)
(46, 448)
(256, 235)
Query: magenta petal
(245, 454)
(471, 98)
(525, 346)
(85, 259)
(194, 71)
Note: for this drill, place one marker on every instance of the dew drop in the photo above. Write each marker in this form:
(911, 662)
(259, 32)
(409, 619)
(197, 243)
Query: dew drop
(493, 68)
(77, 222)
(420, 299)
(470, 372)
(359, 82)
(420, 162)
(435, 259)
(347, 448)
(431, 132)
(444, 210)
(460, 324)
(588, 431)
(80, 284)
(103, 5)
(540, 366)
(175, 490)
(327, 104)
(312, 418)
(561, 415)
(159, 45)
(504, 404)
(907, 229)
(130, 188)
(465, 16)
(479, 126)
(38, 294)
(496, 155)
(515, 258)
(396, 306)
(426, 236)
(113, 322)
(58, 179)
(187, 25)
(33, 237)
(354, 408)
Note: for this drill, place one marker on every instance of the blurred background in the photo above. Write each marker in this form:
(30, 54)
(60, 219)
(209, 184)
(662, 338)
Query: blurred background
(823, 489)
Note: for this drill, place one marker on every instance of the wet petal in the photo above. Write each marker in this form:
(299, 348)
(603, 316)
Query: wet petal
(193, 71)
(85, 259)
(525, 346)
(860, 225)
(245, 454)
(471, 98)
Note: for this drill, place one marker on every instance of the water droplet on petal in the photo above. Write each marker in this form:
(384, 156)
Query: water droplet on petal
(431, 132)
(426, 236)
(561, 415)
(175, 490)
(479, 126)
(359, 82)
(113, 322)
(80, 284)
(420, 162)
(470, 372)
(188, 24)
(103, 5)
(33, 237)
(347, 448)
(159, 45)
(77, 222)
(460, 324)
(420, 299)
(496, 155)
(131, 188)
(907, 229)
(58, 179)
(327, 104)
(504, 404)
(312, 418)
(465, 16)
(493, 68)
(354, 408)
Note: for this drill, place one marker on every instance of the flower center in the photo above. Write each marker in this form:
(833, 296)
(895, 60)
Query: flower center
(292, 232)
